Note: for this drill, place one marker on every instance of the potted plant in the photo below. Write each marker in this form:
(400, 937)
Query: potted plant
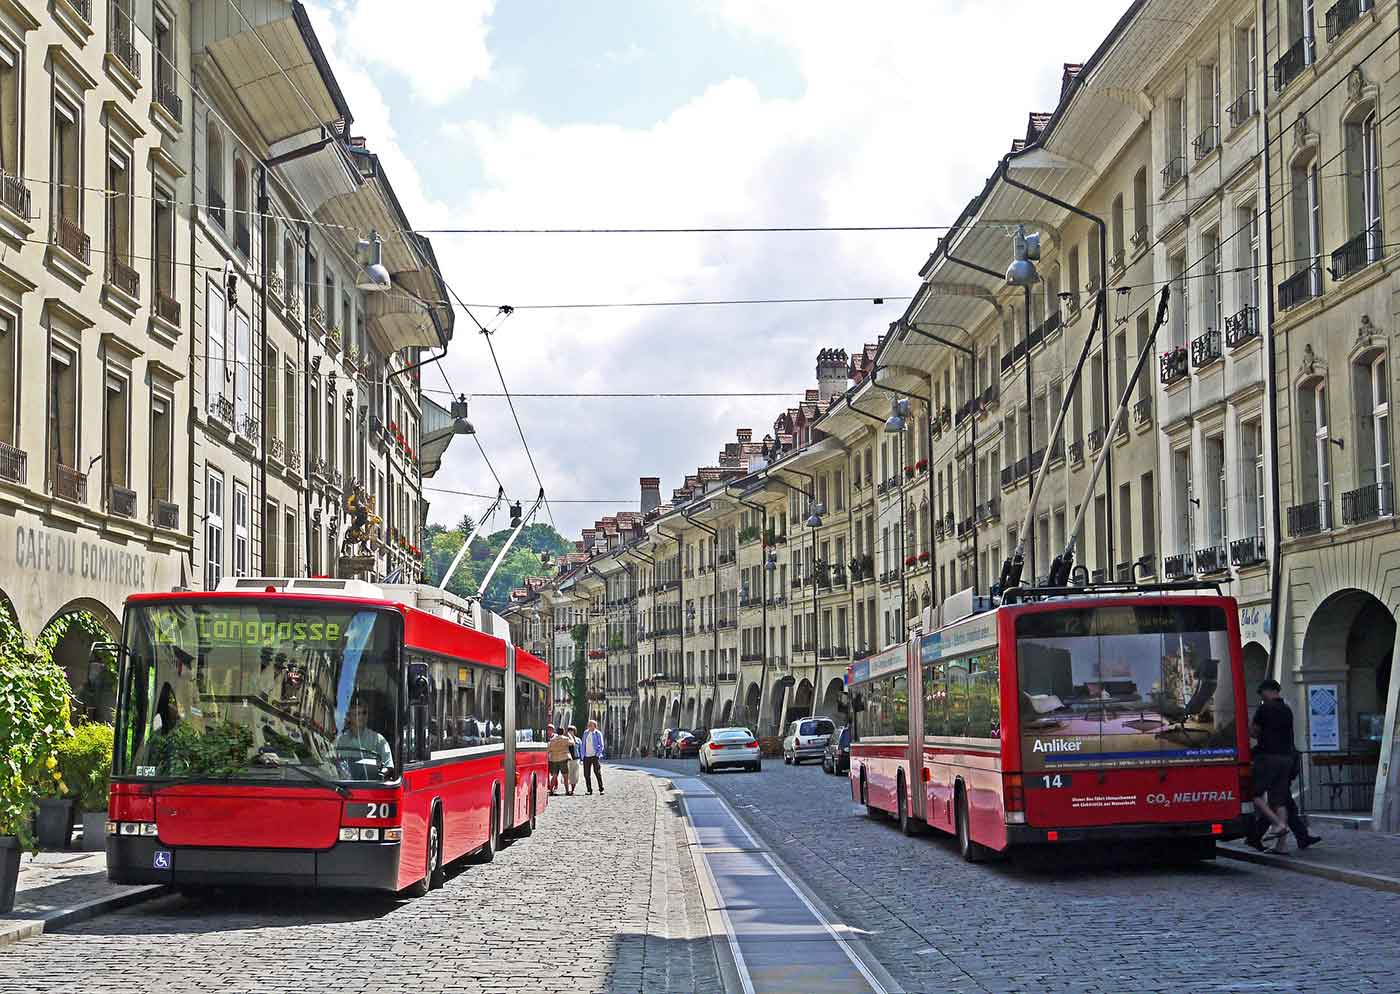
(85, 760)
(33, 721)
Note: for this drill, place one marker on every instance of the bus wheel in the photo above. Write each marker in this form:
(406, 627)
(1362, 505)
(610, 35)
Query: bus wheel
(969, 850)
(907, 824)
(871, 811)
(528, 829)
(436, 876)
(493, 841)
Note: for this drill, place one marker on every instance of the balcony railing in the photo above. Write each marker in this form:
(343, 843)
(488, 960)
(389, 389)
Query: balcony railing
(169, 99)
(1242, 326)
(989, 510)
(1247, 551)
(248, 427)
(1241, 109)
(167, 307)
(1205, 348)
(215, 207)
(14, 463)
(1142, 412)
(1302, 286)
(1096, 439)
(1022, 469)
(1310, 518)
(14, 194)
(1211, 559)
(1037, 459)
(166, 514)
(1206, 142)
(1291, 63)
(121, 501)
(1173, 172)
(294, 460)
(1358, 253)
(122, 276)
(221, 408)
(69, 484)
(990, 397)
(69, 235)
(1367, 503)
(1177, 567)
(1344, 14)
(1076, 451)
(120, 41)
(1173, 365)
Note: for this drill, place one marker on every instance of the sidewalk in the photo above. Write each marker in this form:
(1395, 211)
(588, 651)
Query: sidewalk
(60, 888)
(1367, 859)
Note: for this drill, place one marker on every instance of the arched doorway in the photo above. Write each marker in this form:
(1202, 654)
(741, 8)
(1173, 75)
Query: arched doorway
(801, 705)
(76, 626)
(727, 714)
(1349, 645)
(675, 713)
(709, 711)
(776, 697)
(831, 699)
(690, 713)
(1256, 668)
(749, 712)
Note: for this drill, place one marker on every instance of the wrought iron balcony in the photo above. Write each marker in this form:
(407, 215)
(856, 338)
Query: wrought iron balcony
(1008, 477)
(1123, 572)
(1007, 361)
(1096, 439)
(1076, 451)
(1141, 235)
(1206, 142)
(1177, 567)
(989, 510)
(1037, 459)
(14, 194)
(1291, 64)
(1241, 109)
(14, 463)
(1173, 172)
(1309, 519)
(167, 307)
(1142, 412)
(120, 41)
(1344, 14)
(990, 397)
(69, 484)
(966, 527)
(122, 276)
(1242, 326)
(69, 235)
(1367, 503)
(1212, 559)
(1205, 348)
(1173, 365)
(1302, 286)
(294, 460)
(121, 501)
(1247, 551)
(1022, 469)
(1358, 253)
(221, 407)
(248, 427)
(166, 514)
(168, 98)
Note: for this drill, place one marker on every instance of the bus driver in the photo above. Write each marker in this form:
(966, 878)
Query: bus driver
(358, 744)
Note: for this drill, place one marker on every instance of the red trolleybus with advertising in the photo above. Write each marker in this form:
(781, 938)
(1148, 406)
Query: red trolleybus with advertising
(1068, 715)
(319, 733)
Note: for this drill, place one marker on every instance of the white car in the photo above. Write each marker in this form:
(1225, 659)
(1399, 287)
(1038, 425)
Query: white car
(806, 739)
(732, 747)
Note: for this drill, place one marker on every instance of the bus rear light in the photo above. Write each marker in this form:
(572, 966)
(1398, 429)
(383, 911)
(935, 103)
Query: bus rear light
(1217, 829)
(1052, 836)
(1015, 793)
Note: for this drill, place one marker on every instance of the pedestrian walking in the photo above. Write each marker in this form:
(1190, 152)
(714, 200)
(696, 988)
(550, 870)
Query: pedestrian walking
(1272, 729)
(574, 764)
(592, 753)
(558, 759)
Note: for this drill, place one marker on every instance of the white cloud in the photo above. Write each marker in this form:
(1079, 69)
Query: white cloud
(439, 46)
(905, 110)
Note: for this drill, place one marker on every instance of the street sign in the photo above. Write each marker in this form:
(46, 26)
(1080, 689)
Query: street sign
(352, 566)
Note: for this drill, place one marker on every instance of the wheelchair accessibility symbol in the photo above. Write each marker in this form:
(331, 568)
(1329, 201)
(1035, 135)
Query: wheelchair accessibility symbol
(161, 860)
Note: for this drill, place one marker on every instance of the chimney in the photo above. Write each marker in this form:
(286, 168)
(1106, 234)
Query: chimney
(651, 493)
(832, 366)
(744, 435)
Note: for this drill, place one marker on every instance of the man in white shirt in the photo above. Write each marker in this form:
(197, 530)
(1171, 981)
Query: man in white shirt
(365, 750)
(591, 750)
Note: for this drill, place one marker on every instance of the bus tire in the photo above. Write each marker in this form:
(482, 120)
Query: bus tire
(871, 811)
(487, 853)
(907, 824)
(967, 849)
(527, 829)
(437, 876)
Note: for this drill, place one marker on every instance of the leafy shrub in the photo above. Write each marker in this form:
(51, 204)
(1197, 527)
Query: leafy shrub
(85, 760)
(34, 719)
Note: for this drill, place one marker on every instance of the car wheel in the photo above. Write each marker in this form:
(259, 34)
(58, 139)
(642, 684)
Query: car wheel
(757, 766)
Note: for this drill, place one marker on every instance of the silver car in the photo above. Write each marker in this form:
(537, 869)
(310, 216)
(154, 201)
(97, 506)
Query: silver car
(806, 739)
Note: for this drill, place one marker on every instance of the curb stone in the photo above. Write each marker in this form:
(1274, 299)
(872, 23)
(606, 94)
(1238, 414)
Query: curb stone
(17, 929)
(1359, 878)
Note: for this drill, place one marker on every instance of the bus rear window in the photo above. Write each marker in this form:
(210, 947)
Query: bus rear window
(1125, 686)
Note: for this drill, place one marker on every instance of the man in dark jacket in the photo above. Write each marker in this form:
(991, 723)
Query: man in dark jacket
(1275, 766)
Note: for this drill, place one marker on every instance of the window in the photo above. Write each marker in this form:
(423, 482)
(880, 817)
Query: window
(330, 430)
(1117, 218)
(214, 175)
(11, 107)
(1363, 190)
(216, 371)
(1212, 296)
(1140, 208)
(116, 432)
(9, 383)
(1208, 109)
(62, 418)
(289, 410)
(1125, 525)
(1120, 370)
(269, 377)
(1181, 482)
(289, 543)
(1249, 259)
(242, 375)
(1245, 73)
(331, 321)
(1217, 498)
(1097, 386)
(242, 215)
(1101, 536)
(118, 208)
(290, 286)
(270, 545)
(1298, 23)
(1143, 330)
(67, 164)
(1252, 479)
(1149, 517)
(1372, 392)
(240, 529)
(313, 435)
(213, 528)
(1091, 255)
(163, 239)
(162, 448)
(1074, 276)
(163, 37)
(1307, 224)
(1176, 269)
(1175, 168)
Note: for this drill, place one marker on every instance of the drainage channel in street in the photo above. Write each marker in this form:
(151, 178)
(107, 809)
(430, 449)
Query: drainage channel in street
(779, 938)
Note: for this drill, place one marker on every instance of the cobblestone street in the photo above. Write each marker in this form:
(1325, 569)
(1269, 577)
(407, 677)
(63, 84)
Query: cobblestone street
(938, 924)
(602, 898)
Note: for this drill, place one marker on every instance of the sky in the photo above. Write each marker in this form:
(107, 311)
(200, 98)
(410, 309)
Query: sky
(682, 113)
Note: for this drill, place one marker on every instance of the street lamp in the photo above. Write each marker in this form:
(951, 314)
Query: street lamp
(1022, 271)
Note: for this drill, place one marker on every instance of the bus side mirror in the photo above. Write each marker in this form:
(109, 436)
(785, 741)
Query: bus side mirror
(419, 686)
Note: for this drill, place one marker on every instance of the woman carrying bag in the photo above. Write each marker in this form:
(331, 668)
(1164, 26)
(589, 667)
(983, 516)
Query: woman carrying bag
(575, 764)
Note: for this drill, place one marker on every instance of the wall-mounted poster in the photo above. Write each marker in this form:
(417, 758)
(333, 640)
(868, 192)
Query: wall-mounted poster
(1323, 728)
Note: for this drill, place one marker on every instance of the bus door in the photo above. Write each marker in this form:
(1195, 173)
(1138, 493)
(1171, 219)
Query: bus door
(508, 791)
(915, 690)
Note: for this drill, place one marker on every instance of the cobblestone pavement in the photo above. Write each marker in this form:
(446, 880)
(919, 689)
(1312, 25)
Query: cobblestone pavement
(603, 897)
(938, 924)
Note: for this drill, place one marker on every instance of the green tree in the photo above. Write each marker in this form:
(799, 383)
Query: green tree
(523, 559)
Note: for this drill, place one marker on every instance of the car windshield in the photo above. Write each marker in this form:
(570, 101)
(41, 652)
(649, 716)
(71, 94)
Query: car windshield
(731, 734)
(258, 690)
(816, 727)
(1125, 686)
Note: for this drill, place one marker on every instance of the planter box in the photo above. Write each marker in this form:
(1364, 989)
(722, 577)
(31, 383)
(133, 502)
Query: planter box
(9, 872)
(53, 823)
(94, 831)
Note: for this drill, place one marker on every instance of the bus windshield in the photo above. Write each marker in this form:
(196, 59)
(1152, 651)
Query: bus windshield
(260, 690)
(1125, 686)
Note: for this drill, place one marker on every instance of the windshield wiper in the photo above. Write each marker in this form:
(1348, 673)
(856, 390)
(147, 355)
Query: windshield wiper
(324, 781)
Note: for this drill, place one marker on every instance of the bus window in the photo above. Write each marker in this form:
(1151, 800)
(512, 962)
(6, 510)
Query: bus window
(935, 699)
(959, 690)
(899, 704)
(984, 698)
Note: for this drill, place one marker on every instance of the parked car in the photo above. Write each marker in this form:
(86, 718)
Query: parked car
(670, 740)
(806, 739)
(837, 756)
(663, 740)
(730, 747)
(687, 744)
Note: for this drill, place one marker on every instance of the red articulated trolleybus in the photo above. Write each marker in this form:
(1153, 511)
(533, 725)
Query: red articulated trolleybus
(320, 733)
(1061, 715)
